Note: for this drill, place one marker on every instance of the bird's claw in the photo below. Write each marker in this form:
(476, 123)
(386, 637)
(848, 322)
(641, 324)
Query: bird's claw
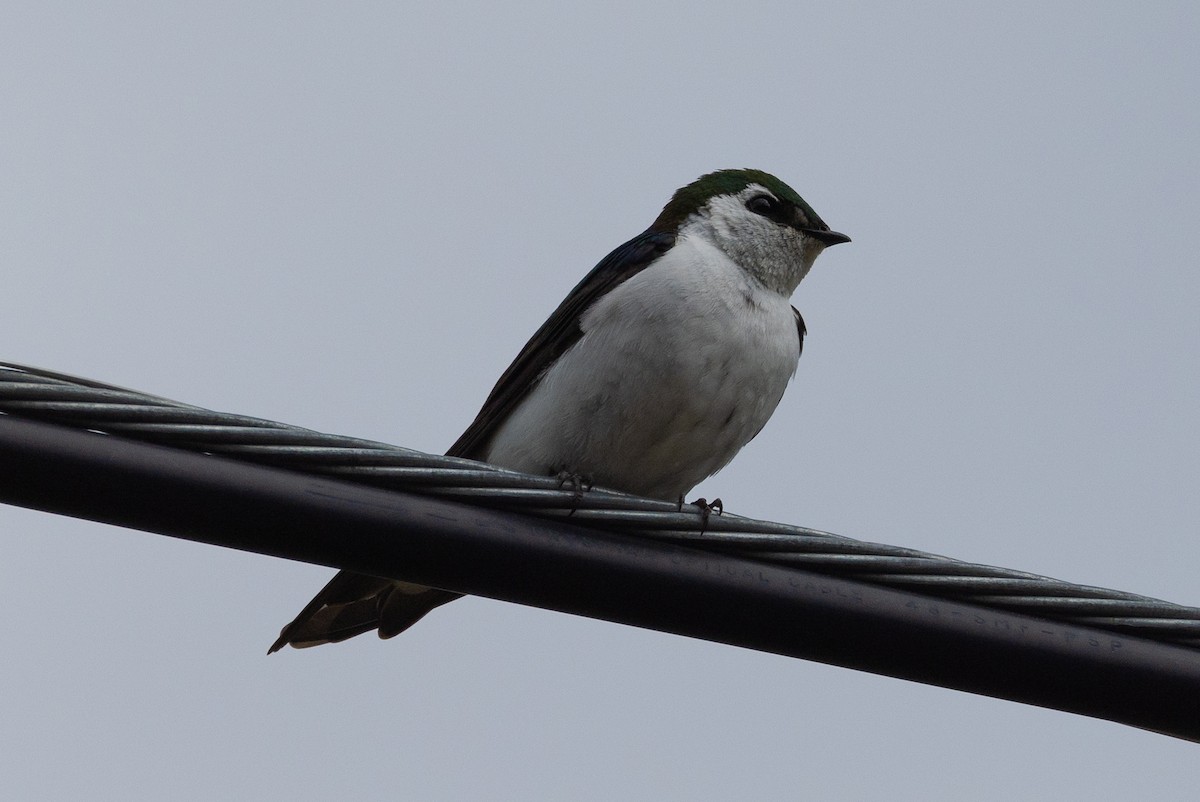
(579, 485)
(706, 509)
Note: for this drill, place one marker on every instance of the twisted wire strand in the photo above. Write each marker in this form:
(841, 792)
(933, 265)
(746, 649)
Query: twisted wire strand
(83, 403)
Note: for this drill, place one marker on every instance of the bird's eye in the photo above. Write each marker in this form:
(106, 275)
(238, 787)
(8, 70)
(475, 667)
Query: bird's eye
(761, 204)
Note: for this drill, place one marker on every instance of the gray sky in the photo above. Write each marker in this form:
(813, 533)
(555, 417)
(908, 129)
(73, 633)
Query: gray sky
(352, 218)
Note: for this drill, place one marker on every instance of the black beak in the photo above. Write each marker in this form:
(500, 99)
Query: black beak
(825, 236)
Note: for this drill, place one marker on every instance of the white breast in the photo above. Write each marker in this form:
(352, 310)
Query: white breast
(678, 368)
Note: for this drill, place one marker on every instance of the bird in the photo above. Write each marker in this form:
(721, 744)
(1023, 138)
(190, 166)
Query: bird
(658, 367)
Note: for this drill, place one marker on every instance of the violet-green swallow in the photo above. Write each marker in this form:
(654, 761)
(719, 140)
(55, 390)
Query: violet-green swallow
(653, 373)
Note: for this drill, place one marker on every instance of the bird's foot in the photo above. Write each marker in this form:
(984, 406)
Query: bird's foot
(707, 508)
(579, 483)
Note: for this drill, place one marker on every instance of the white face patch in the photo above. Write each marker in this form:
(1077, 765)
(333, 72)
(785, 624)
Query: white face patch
(778, 256)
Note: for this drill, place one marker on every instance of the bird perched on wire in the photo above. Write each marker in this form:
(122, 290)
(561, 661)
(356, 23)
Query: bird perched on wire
(659, 366)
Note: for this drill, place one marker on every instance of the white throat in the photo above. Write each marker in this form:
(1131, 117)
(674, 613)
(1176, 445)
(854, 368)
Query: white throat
(778, 257)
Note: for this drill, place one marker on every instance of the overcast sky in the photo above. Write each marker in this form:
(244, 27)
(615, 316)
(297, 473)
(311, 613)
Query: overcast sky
(351, 217)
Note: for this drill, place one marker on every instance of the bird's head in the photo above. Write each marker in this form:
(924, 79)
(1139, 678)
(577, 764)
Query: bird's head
(760, 222)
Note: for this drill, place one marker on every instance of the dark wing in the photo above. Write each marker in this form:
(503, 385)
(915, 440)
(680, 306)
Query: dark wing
(800, 328)
(352, 604)
(555, 336)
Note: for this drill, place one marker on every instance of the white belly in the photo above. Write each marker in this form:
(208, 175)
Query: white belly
(677, 369)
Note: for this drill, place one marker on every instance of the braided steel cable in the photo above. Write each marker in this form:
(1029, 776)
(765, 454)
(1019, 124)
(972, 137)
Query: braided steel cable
(81, 403)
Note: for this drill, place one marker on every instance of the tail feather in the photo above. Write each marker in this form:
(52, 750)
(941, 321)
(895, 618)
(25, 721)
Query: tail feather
(351, 604)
